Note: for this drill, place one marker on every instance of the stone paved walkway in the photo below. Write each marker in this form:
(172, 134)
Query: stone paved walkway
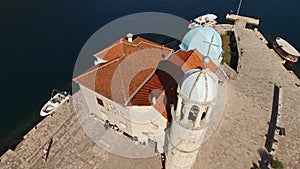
(242, 131)
(71, 147)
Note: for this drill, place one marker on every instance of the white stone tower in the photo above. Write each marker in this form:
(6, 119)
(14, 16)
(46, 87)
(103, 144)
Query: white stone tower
(189, 129)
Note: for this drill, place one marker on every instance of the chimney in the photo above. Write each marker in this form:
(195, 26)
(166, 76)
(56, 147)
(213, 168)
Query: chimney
(129, 37)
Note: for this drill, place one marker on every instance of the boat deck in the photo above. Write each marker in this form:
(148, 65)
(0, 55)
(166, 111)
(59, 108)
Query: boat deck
(283, 54)
(288, 48)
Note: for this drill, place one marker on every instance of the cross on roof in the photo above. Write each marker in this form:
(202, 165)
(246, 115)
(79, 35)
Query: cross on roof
(210, 44)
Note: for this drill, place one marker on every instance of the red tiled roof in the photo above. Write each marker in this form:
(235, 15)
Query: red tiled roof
(113, 52)
(153, 87)
(123, 74)
(163, 84)
(123, 78)
(163, 87)
(123, 48)
(190, 60)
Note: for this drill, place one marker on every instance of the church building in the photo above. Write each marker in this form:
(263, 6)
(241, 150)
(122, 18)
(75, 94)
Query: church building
(155, 94)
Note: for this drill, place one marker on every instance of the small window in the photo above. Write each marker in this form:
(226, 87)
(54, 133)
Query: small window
(203, 115)
(100, 102)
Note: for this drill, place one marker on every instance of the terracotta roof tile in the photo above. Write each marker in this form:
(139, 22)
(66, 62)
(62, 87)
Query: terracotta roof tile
(123, 47)
(114, 52)
(163, 86)
(190, 60)
(124, 77)
(128, 66)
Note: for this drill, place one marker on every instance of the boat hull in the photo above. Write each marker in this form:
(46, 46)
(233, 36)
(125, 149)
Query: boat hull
(290, 59)
(204, 20)
(54, 103)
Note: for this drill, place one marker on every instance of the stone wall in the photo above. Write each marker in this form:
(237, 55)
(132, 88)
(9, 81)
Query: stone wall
(232, 74)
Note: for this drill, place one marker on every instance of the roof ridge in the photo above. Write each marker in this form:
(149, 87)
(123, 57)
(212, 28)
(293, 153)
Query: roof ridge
(109, 47)
(140, 87)
(97, 67)
(123, 41)
(145, 41)
(86, 73)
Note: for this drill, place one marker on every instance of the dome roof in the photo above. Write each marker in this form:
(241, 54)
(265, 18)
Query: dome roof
(199, 86)
(200, 38)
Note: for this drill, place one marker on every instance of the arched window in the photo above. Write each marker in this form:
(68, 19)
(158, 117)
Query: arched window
(193, 112)
(203, 115)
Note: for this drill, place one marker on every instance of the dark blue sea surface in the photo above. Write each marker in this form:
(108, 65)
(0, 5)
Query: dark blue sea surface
(40, 41)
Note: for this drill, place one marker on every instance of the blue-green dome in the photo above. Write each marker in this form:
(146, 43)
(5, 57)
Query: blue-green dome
(199, 86)
(206, 40)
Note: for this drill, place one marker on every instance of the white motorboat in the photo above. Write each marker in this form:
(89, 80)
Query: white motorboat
(204, 20)
(286, 50)
(54, 102)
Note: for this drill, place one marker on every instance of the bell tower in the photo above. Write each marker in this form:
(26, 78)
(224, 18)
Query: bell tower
(196, 95)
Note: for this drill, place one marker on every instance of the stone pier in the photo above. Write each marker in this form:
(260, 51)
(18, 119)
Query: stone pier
(239, 142)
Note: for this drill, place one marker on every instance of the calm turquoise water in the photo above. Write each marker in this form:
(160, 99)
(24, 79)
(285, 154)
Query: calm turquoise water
(40, 41)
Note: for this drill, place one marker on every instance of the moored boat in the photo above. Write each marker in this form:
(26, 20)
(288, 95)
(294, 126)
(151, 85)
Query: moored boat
(55, 101)
(204, 20)
(286, 50)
